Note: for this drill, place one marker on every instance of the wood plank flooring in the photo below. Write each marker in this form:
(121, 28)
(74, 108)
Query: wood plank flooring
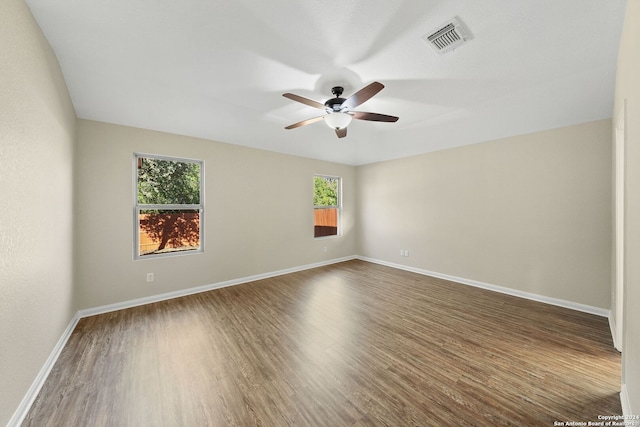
(351, 344)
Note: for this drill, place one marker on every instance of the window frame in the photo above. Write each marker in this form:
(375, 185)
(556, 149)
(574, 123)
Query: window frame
(338, 207)
(137, 208)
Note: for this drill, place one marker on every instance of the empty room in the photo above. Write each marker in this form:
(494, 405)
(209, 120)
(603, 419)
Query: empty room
(319, 213)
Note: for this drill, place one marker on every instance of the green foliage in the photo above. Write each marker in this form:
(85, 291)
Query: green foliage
(168, 182)
(325, 191)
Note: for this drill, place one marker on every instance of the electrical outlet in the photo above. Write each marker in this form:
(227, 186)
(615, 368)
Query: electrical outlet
(324, 249)
(406, 252)
(149, 277)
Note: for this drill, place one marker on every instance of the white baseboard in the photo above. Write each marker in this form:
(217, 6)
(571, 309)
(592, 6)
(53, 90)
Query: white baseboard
(32, 393)
(624, 396)
(514, 292)
(184, 292)
(612, 326)
(624, 400)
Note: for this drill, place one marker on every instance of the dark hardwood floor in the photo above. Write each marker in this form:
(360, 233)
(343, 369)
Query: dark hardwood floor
(351, 344)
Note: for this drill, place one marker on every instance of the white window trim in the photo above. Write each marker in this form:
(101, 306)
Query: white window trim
(339, 207)
(138, 207)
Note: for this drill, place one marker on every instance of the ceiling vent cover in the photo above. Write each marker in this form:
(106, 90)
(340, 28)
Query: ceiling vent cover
(448, 36)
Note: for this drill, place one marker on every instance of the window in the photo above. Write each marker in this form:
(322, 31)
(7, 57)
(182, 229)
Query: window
(169, 207)
(326, 205)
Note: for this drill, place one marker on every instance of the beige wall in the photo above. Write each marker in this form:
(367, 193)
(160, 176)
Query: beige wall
(628, 91)
(37, 125)
(258, 219)
(531, 212)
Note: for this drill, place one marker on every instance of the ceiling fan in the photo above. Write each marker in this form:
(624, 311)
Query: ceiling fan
(339, 111)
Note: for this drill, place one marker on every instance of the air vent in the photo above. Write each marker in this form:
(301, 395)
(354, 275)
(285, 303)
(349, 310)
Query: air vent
(448, 36)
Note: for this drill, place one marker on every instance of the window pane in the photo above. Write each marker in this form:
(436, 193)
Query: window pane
(325, 191)
(163, 182)
(163, 231)
(325, 222)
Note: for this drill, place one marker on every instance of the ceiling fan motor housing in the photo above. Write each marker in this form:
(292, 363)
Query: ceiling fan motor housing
(334, 105)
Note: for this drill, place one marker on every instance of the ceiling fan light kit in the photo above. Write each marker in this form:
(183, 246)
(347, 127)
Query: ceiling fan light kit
(338, 120)
(339, 111)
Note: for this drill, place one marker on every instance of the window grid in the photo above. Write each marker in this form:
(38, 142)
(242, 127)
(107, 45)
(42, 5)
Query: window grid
(327, 206)
(187, 217)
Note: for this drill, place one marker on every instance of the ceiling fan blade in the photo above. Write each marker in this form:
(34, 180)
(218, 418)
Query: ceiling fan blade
(305, 122)
(362, 95)
(304, 100)
(341, 132)
(374, 117)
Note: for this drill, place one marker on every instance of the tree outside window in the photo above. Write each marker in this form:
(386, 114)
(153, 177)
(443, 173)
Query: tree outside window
(326, 205)
(168, 206)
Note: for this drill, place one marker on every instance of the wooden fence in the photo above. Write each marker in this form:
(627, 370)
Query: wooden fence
(148, 245)
(325, 222)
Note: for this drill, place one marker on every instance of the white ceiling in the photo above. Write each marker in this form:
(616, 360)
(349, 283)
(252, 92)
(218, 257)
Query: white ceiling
(217, 69)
